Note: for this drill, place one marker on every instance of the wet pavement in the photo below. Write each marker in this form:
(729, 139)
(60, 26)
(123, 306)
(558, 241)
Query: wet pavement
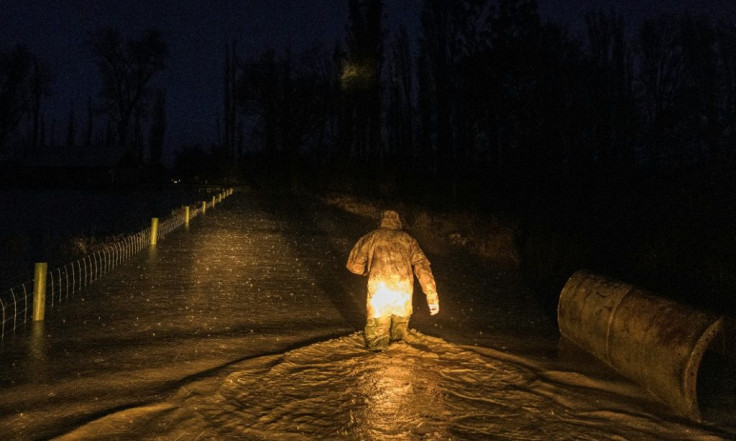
(246, 325)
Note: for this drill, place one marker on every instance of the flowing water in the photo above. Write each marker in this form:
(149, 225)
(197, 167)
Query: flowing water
(247, 326)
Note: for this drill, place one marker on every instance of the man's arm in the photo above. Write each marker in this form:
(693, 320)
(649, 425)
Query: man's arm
(424, 274)
(358, 258)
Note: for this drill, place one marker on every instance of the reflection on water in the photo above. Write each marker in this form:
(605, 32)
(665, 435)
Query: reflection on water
(427, 389)
(400, 394)
(717, 388)
(37, 369)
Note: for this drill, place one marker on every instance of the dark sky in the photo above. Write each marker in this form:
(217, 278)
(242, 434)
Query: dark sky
(196, 32)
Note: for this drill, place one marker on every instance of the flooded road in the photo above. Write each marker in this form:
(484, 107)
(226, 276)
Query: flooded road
(248, 326)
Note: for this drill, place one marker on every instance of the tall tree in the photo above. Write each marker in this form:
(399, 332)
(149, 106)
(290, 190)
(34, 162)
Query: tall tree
(126, 68)
(285, 101)
(704, 96)
(90, 123)
(727, 46)
(401, 112)
(659, 82)
(157, 130)
(41, 80)
(229, 138)
(436, 80)
(612, 106)
(71, 128)
(451, 33)
(16, 91)
(361, 78)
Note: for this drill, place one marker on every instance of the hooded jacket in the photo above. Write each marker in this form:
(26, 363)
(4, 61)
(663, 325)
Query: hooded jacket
(390, 257)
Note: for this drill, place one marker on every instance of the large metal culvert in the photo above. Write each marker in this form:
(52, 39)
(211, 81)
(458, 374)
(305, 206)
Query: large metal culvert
(656, 342)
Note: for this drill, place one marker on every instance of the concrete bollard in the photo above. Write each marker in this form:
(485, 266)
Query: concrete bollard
(656, 342)
(39, 291)
(154, 230)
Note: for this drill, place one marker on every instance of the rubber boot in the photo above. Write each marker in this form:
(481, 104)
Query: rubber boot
(377, 333)
(399, 327)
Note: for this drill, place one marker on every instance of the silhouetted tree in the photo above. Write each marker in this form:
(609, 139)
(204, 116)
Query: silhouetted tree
(611, 107)
(90, 123)
(41, 80)
(71, 128)
(451, 33)
(727, 45)
(659, 80)
(24, 80)
(126, 68)
(436, 82)
(286, 101)
(516, 63)
(230, 99)
(704, 97)
(401, 112)
(157, 130)
(361, 81)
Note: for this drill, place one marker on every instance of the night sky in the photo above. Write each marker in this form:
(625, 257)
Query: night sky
(196, 34)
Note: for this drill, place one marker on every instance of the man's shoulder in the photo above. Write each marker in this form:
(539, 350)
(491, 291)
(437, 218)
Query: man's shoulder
(394, 235)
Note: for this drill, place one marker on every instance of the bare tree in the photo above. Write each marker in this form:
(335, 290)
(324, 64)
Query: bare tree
(158, 128)
(704, 96)
(71, 128)
(660, 79)
(450, 33)
(24, 80)
(361, 79)
(230, 129)
(727, 46)
(126, 68)
(401, 111)
(41, 79)
(611, 102)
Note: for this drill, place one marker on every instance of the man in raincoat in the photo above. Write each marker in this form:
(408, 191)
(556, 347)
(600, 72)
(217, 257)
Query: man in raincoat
(390, 257)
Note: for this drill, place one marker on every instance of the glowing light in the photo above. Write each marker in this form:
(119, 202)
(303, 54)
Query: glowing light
(386, 301)
(357, 75)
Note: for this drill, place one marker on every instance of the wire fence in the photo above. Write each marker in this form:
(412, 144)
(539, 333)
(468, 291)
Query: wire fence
(64, 281)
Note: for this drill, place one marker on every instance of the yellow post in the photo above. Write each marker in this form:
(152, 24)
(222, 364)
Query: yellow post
(39, 291)
(154, 230)
(213, 201)
(186, 215)
(204, 206)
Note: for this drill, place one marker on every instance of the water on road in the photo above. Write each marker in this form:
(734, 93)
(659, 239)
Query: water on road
(247, 326)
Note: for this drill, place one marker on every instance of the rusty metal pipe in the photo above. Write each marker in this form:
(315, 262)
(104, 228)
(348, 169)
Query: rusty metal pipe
(656, 342)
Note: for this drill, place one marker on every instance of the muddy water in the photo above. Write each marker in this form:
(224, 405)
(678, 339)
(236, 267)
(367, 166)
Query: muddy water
(247, 326)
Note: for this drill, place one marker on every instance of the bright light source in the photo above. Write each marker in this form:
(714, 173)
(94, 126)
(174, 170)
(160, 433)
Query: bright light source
(386, 301)
(356, 75)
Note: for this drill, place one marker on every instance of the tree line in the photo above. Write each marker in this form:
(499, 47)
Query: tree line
(488, 97)
(491, 96)
(128, 111)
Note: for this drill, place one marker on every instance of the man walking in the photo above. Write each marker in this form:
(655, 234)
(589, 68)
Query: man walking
(390, 257)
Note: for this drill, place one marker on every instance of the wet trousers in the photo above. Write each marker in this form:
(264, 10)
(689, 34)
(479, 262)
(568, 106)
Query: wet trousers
(380, 331)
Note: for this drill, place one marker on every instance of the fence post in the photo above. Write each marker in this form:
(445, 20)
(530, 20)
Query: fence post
(39, 291)
(154, 230)
(186, 215)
